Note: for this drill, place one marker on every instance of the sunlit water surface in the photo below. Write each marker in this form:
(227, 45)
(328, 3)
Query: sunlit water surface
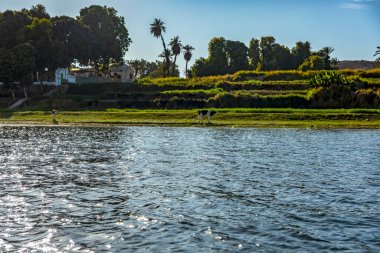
(138, 189)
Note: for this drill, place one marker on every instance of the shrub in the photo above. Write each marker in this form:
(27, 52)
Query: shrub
(367, 98)
(330, 78)
(314, 62)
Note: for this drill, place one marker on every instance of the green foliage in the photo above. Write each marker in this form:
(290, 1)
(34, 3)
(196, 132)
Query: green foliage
(78, 40)
(97, 37)
(254, 54)
(325, 54)
(329, 79)
(201, 93)
(157, 28)
(301, 52)
(314, 62)
(17, 65)
(249, 100)
(12, 28)
(188, 54)
(227, 57)
(176, 48)
(37, 11)
(367, 98)
(237, 54)
(111, 37)
(144, 69)
(372, 73)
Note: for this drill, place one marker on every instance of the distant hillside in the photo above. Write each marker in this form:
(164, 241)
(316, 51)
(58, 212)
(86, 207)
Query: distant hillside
(357, 65)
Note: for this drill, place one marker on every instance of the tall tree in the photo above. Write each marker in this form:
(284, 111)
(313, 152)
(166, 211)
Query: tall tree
(266, 45)
(157, 28)
(12, 24)
(22, 65)
(76, 37)
(202, 67)
(176, 46)
(37, 11)
(301, 52)
(144, 68)
(17, 66)
(282, 58)
(377, 53)
(237, 54)
(166, 61)
(111, 36)
(188, 54)
(136, 65)
(218, 58)
(39, 32)
(254, 53)
(334, 62)
(325, 53)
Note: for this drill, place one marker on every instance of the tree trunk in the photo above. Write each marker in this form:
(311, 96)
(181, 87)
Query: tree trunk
(26, 92)
(166, 57)
(186, 70)
(175, 59)
(13, 94)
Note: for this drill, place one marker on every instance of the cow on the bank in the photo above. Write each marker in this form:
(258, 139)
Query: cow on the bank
(205, 113)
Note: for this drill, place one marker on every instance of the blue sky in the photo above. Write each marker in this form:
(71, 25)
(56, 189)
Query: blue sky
(352, 27)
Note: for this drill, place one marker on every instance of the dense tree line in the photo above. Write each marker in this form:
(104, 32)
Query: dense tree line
(32, 42)
(226, 57)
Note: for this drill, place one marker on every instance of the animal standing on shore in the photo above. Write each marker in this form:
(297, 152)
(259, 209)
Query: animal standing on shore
(206, 113)
(54, 113)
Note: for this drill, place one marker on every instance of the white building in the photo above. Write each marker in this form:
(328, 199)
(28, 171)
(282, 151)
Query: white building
(123, 72)
(117, 74)
(64, 76)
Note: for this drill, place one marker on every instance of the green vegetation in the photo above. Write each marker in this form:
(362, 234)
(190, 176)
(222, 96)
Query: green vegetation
(244, 89)
(224, 118)
(228, 57)
(33, 42)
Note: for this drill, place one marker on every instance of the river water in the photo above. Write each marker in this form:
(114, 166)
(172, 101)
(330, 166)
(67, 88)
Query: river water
(142, 189)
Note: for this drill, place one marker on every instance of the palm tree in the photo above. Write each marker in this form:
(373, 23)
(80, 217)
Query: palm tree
(157, 28)
(377, 53)
(334, 62)
(167, 60)
(176, 45)
(187, 55)
(326, 52)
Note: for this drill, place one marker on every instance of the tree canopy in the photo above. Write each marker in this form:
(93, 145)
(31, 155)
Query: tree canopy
(111, 37)
(97, 37)
(226, 57)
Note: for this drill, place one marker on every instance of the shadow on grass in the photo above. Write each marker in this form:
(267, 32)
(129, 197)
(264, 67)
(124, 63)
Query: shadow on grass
(6, 114)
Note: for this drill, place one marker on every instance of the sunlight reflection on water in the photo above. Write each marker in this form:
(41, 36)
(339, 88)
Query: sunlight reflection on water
(188, 189)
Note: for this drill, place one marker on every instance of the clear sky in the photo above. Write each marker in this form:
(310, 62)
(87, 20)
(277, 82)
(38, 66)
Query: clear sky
(352, 27)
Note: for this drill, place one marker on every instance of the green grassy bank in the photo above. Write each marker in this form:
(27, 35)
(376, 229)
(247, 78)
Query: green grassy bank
(302, 118)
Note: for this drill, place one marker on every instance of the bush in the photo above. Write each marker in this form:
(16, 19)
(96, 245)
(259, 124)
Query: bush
(330, 78)
(334, 96)
(246, 100)
(314, 62)
(367, 98)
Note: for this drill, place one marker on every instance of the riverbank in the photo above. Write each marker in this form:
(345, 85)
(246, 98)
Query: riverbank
(298, 118)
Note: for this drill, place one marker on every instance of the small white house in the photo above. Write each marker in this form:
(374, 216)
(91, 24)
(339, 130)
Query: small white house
(64, 76)
(123, 72)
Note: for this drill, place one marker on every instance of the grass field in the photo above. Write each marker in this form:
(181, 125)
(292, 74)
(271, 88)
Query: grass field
(240, 117)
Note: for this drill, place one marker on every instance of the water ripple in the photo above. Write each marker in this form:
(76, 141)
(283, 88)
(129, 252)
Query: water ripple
(138, 189)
